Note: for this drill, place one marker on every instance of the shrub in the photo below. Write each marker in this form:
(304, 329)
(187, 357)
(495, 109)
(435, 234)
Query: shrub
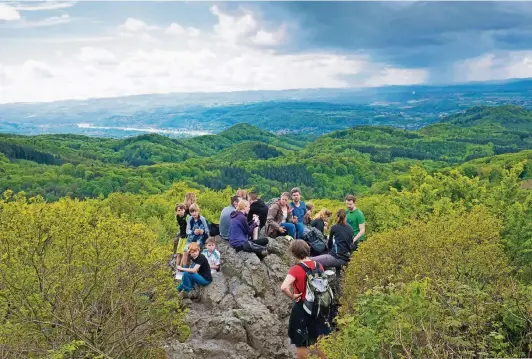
(75, 278)
(437, 289)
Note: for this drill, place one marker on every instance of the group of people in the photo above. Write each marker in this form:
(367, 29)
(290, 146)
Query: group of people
(248, 224)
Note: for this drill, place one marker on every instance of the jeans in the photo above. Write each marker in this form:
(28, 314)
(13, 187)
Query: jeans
(290, 229)
(327, 260)
(300, 227)
(188, 280)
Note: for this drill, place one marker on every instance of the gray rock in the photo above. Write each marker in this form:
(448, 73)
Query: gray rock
(279, 246)
(242, 314)
(215, 292)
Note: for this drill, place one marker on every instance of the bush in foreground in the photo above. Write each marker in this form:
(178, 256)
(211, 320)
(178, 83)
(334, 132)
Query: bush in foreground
(76, 280)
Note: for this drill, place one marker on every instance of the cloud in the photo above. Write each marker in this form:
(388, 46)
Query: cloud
(493, 66)
(411, 34)
(266, 38)
(176, 29)
(242, 52)
(8, 13)
(98, 56)
(50, 21)
(46, 5)
(135, 25)
(244, 28)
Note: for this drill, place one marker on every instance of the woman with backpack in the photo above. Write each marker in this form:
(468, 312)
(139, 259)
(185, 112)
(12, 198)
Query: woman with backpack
(339, 244)
(240, 231)
(303, 329)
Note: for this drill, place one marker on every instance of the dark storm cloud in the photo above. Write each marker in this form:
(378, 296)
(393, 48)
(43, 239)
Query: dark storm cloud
(415, 34)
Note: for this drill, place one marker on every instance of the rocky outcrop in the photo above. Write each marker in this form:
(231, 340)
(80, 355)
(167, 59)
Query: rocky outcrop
(242, 314)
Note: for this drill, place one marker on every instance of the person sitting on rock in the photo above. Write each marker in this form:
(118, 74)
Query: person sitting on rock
(308, 216)
(211, 253)
(225, 217)
(321, 220)
(240, 230)
(258, 207)
(197, 230)
(303, 330)
(339, 244)
(279, 220)
(299, 210)
(198, 271)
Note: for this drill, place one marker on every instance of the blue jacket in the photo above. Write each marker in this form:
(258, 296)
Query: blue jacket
(192, 225)
(239, 229)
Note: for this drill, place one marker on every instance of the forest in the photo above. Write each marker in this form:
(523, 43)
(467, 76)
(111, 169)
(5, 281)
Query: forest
(362, 159)
(86, 226)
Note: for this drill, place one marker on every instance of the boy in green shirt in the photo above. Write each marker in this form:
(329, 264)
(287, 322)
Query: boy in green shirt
(355, 218)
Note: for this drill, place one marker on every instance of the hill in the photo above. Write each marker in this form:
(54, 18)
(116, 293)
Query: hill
(445, 271)
(358, 158)
(314, 111)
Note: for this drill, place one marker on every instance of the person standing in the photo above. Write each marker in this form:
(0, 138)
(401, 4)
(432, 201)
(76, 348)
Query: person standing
(225, 217)
(303, 330)
(357, 221)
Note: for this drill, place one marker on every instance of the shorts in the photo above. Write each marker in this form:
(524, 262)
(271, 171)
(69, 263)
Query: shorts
(303, 331)
(181, 245)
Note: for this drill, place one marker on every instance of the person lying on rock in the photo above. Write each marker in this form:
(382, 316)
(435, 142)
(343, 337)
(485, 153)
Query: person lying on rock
(303, 330)
(339, 244)
(279, 221)
(240, 231)
(198, 271)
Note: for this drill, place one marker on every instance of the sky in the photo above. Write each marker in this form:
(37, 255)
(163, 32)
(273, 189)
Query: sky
(53, 50)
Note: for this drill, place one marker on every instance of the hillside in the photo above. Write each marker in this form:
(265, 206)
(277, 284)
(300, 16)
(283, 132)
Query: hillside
(447, 262)
(445, 271)
(245, 156)
(311, 111)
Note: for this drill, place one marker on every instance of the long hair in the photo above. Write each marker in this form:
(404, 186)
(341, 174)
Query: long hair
(324, 213)
(190, 199)
(341, 216)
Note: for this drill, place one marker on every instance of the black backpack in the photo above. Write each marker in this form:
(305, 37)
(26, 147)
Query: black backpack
(214, 229)
(315, 240)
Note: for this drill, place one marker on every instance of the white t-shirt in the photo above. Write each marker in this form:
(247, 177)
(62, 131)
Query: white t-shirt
(213, 258)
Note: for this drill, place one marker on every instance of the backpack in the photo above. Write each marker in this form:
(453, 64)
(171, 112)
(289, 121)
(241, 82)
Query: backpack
(319, 296)
(214, 229)
(315, 239)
